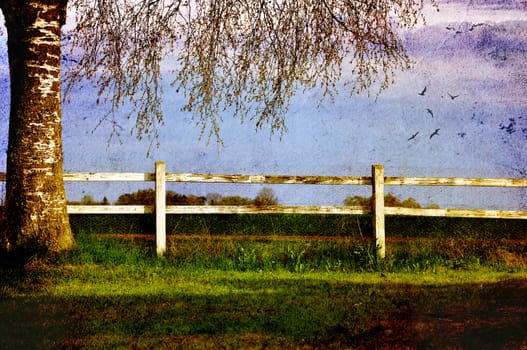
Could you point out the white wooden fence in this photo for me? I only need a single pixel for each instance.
(377, 181)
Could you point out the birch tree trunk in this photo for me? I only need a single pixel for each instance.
(36, 200)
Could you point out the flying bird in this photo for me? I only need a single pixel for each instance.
(457, 31)
(436, 132)
(475, 25)
(452, 96)
(422, 93)
(430, 112)
(413, 136)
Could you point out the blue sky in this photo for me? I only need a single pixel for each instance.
(475, 50)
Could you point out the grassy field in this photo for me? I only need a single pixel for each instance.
(277, 294)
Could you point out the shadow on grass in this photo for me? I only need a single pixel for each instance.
(30, 319)
(276, 313)
(34, 322)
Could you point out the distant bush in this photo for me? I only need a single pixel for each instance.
(266, 196)
(217, 199)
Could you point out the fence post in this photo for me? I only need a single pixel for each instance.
(378, 209)
(160, 206)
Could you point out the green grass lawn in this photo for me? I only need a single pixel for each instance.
(229, 294)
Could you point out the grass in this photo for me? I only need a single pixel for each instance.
(303, 225)
(214, 293)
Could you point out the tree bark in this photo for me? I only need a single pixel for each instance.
(36, 209)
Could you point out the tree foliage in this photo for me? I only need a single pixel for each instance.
(245, 57)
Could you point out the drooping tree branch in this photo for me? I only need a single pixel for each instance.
(244, 58)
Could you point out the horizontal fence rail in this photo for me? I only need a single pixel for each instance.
(216, 209)
(377, 182)
(293, 180)
(454, 181)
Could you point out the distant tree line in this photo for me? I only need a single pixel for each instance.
(147, 197)
(390, 200)
(266, 196)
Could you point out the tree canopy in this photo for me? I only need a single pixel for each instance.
(245, 58)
